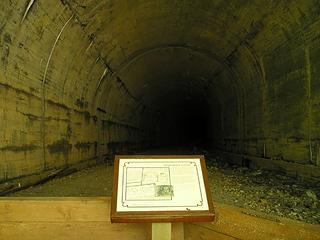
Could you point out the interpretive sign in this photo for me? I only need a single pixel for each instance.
(161, 188)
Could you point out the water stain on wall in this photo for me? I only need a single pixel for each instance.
(60, 146)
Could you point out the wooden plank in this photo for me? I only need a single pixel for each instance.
(54, 209)
(237, 223)
(193, 231)
(89, 218)
(71, 231)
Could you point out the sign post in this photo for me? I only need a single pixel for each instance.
(161, 189)
(161, 231)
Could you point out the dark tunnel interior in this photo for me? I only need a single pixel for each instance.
(85, 80)
(183, 121)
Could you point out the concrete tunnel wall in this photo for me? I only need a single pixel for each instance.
(80, 79)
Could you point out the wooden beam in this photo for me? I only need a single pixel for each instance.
(89, 218)
(238, 223)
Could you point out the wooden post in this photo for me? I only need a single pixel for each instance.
(161, 231)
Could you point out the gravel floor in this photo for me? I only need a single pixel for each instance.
(263, 191)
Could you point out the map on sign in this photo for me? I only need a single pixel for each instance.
(148, 184)
(161, 185)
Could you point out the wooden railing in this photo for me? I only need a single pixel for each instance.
(88, 218)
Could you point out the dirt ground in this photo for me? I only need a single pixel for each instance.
(262, 191)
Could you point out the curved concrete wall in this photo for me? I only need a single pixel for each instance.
(79, 79)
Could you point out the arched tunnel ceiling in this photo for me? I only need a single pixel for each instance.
(124, 31)
(156, 73)
(114, 34)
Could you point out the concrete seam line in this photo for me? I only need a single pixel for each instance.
(102, 77)
(308, 79)
(27, 10)
(43, 91)
(53, 47)
(87, 49)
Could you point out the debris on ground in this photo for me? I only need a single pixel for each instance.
(264, 191)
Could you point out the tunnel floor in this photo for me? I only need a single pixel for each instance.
(266, 192)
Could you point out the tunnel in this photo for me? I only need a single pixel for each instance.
(83, 80)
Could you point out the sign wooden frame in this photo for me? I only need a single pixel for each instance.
(160, 216)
